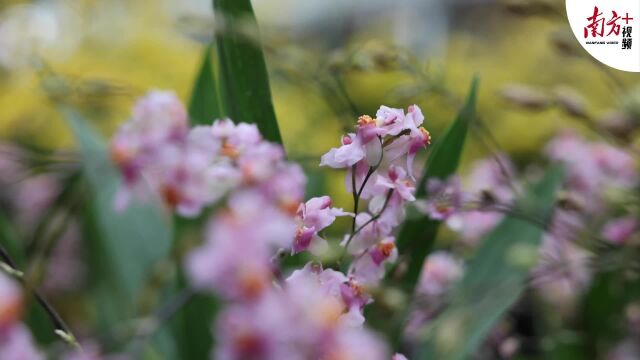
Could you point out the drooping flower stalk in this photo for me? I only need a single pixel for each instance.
(60, 327)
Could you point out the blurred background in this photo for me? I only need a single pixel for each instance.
(329, 61)
(410, 51)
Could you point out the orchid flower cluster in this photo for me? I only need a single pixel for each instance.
(193, 168)
(379, 161)
(596, 172)
(598, 176)
(314, 312)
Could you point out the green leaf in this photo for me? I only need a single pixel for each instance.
(244, 82)
(495, 277)
(130, 242)
(418, 235)
(192, 326)
(204, 106)
(604, 305)
(11, 242)
(161, 346)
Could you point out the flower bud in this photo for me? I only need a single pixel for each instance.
(566, 201)
(565, 43)
(525, 96)
(617, 123)
(373, 152)
(571, 102)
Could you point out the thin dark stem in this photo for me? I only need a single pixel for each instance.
(620, 86)
(377, 216)
(372, 169)
(593, 126)
(374, 218)
(426, 85)
(55, 318)
(345, 94)
(390, 141)
(506, 210)
(356, 199)
(503, 169)
(513, 212)
(595, 241)
(331, 98)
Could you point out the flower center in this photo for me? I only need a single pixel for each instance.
(229, 150)
(366, 120)
(386, 249)
(171, 195)
(426, 135)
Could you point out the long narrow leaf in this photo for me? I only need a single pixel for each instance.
(418, 235)
(494, 278)
(204, 106)
(244, 82)
(192, 324)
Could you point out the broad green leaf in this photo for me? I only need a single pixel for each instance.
(244, 82)
(418, 235)
(130, 242)
(204, 106)
(494, 278)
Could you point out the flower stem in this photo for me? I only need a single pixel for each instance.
(374, 218)
(356, 199)
(60, 327)
(377, 216)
